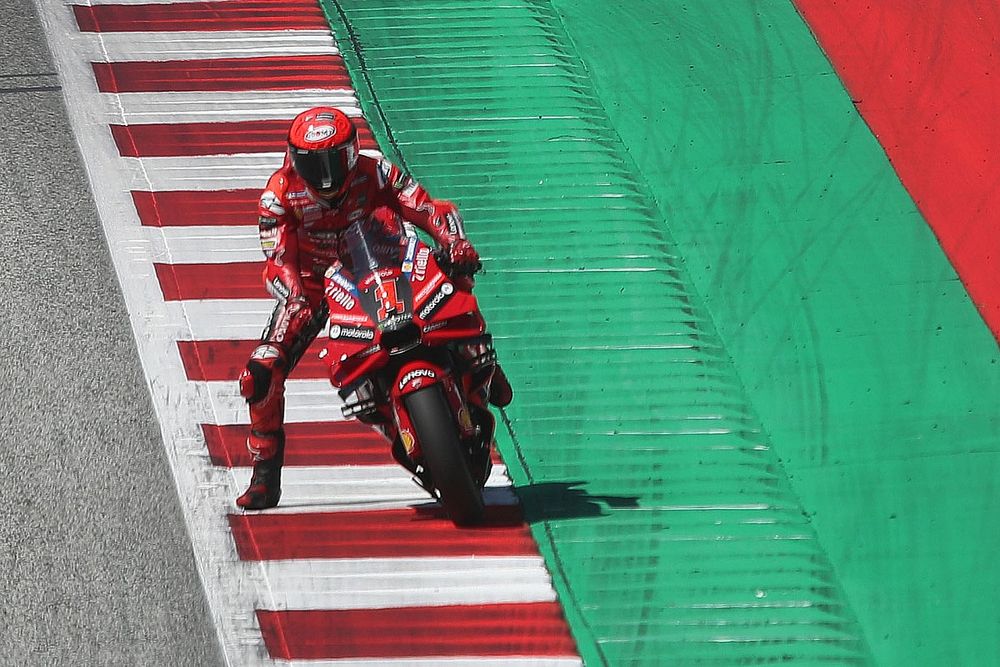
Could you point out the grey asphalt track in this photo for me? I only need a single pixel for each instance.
(96, 566)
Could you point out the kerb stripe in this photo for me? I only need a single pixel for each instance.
(234, 280)
(331, 443)
(194, 208)
(400, 533)
(202, 16)
(214, 360)
(223, 74)
(535, 628)
(186, 139)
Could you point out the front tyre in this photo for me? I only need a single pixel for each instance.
(443, 455)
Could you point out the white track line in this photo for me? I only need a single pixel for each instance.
(305, 401)
(220, 107)
(406, 582)
(355, 488)
(205, 245)
(223, 319)
(203, 45)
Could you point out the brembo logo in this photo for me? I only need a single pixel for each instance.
(414, 374)
(436, 300)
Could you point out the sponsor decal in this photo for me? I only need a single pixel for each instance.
(317, 133)
(326, 237)
(430, 287)
(464, 420)
(356, 214)
(408, 440)
(270, 203)
(407, 267)
(368, 351)
(410, 188)
(361, 334)
(278, 288)
(332, 270)
(434, 327)
(454, 224)
(267, 222)
(421, 264)
(436, 301)
(344, 282)
(393, 321)
(347, 318)
(416, 374)
(381, 273)
(340, 297)
(268, 240)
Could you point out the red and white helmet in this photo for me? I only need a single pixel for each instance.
(323, 147)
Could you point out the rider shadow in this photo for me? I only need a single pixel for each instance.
(545, 501)
(548, 501)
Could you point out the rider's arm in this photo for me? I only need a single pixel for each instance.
(437, 217)
(279, 241)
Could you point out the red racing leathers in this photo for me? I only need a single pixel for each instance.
(299, 234)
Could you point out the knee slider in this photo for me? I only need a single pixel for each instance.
(256, 379)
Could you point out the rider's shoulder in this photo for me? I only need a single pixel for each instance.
(379, 169)
(286, 186)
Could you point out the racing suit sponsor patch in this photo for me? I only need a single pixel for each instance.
(278, 289)
(268, 241)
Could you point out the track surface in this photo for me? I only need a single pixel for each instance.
(96, 565)
(876, 389)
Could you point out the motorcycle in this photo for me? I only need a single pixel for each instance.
(409, 353)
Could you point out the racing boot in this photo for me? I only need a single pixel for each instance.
(501, 393)
(265, 484)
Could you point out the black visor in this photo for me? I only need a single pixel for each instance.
(323, 170)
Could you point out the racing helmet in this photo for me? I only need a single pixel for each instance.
(323, 147)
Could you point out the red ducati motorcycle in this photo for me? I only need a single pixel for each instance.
(409, 354)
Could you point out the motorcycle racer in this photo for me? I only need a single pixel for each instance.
(324, 185)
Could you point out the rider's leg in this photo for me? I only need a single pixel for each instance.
(262, 384)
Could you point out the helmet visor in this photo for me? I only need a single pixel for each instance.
(324, 170)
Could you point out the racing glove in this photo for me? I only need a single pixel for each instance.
(463, 258)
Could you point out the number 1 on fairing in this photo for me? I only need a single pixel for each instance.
(388, 299)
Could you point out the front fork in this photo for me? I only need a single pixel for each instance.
(466, 390)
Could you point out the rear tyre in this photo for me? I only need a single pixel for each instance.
(443, 455)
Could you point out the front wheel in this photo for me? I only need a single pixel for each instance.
(443, 455)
